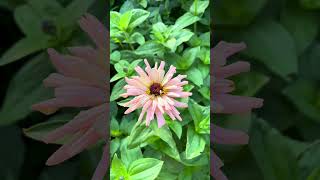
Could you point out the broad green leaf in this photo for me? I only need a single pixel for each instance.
(23, 48)
(114, 128)
(145, 168)
(204, 55)
(39, 131)
(114, 19)
(161, 146)
(125, 20)
(309, 63)
(115, 57)
(139, 134)
(127, 123)
(188, 57)
(27, 20)
(201, 117)
(198, 7)
(305, 96)
(250, 83)
(184, 21)
(309, 161)
(176, 127)
(73, 12)
(182, 36)
(315, 175)
(149, 47)
(138, 17)
(273, 153)
(143, 3)
(195, 76)
(137, 38)
(118, 169)
(26, 89)
(46, 8)
(310, 4)
(164, 133)
(195, 144)
(114, 146)
(301, 24)
(128, 156)
(230, 12)
(12, 153)
(117, 90)
(269, 43)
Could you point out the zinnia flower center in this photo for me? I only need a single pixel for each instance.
(156, 89)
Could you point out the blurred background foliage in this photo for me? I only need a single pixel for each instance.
(283, 48)
(178, 33)
(29, 27)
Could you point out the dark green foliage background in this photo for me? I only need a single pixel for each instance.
(283, 48)
(20, 156)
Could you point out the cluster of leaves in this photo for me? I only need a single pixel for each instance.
(176, 31)
(283, 46)
(44, 24)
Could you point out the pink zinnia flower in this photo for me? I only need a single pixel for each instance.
(81, 81)
(223, 102)
(155, 92)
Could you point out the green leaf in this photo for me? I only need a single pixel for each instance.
(188, 57)
(195, 144)
(23, 48)
(198, 7)
(26, 89)
(309, 161)
(195, 76)
(27, 20)
(176, 127)
(145, 168)
(117, 77)
(73, 12)
(315, 175)
(163, 133)
(184, 21)
(114, 19)
(273, 153)
(230, 12)
(39, 131)
(182, 36)
(269, 43)
(114, 127)
(12, 153)
(115, 144)
(204, 55)
(302, 25)
(139, 134)
(125, 20)
(149, 48)
(138, 17)
(305, 96)
(118, 169)
(137, 38)
(250, 83)
(115, 57)
(117, 90)
(128, 156)
(310, 4)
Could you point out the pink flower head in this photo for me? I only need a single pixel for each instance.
(81, 81)
(155, 92)
(223, 102)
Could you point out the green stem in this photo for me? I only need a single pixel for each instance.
(131, 46)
